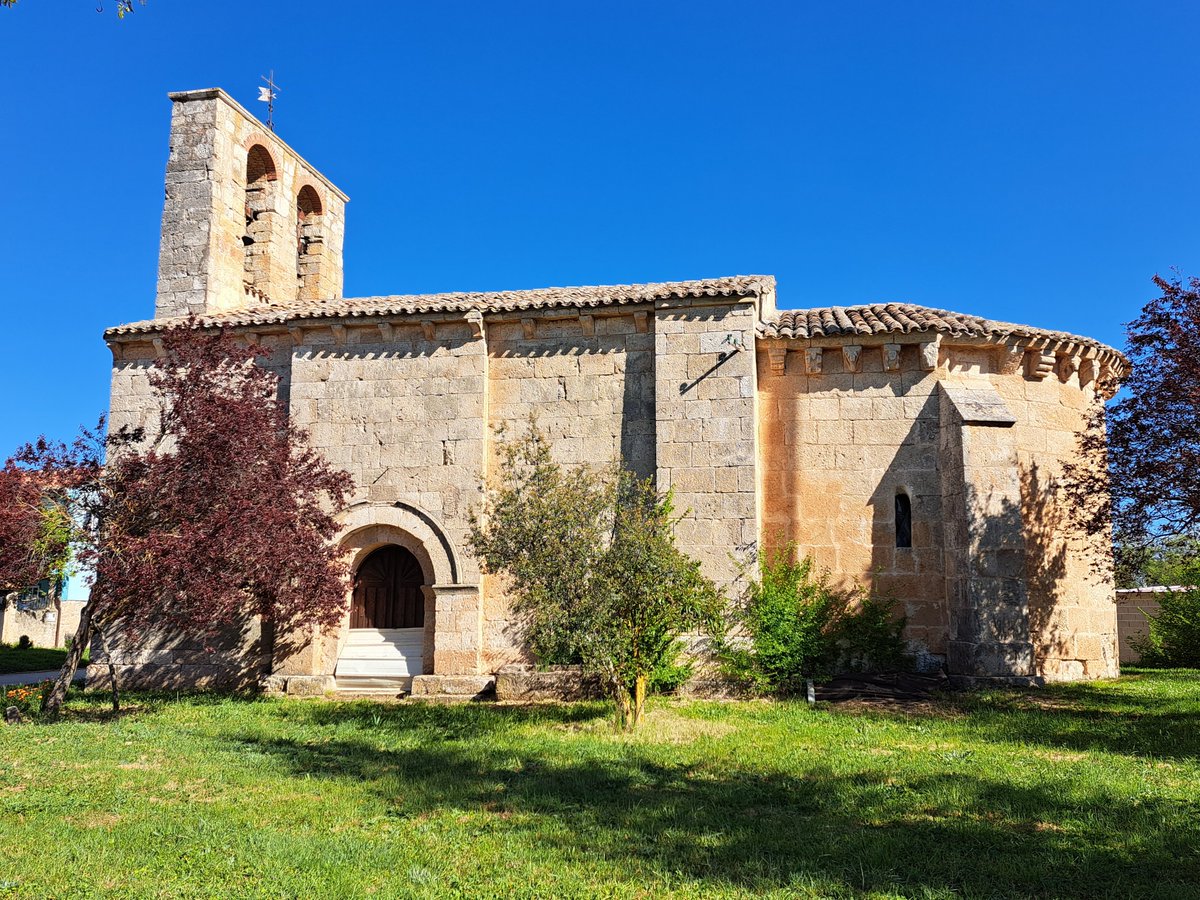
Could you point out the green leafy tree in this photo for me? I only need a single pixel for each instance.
(648, 593)
(590, 562)
(1169, 561)
(543, 530)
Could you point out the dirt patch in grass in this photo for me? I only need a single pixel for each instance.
(661, 726)
(97, 819)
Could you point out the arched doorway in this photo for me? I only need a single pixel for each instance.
(387, 619)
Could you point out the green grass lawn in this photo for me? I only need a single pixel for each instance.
(1086, 790)
(35, 659)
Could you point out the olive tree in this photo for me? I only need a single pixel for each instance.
(591, 565)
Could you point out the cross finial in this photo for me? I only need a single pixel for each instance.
(267, 95)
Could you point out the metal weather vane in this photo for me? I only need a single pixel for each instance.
(267, 95)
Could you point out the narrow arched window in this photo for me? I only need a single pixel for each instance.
(903, 520)
(309, 243)
(260, 172)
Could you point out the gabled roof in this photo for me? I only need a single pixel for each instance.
(820, 322)
(268, 313)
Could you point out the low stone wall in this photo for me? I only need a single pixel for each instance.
(528, 683)
(237, 659)
(1133, 605)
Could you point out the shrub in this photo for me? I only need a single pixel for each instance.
(869, 638)
(24, 643)
(793, 626)
(1174, 636)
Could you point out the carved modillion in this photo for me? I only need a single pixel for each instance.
(777, 357)
(852, 357)
(929, 353)
(891, 357)
(812, 360)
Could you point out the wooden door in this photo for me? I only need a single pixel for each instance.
(387, 591)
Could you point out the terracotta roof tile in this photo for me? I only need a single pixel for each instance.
(901, 318)
(501, 301)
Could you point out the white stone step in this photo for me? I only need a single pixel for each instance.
(391, 667)
(392, 653)
(374, 684)
(375, 637)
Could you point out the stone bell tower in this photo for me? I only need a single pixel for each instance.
(246, 221)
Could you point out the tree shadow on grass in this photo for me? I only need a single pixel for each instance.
(727, 826)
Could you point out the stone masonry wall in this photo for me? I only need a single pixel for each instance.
(590, 383)
(404, 415)
(1069, 575)
(706, 429)
(1133, 606)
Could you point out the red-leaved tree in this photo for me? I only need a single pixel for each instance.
(1141, 472)
(220, 512)
(20, 525)
(37, 525)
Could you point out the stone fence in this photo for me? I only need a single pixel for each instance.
(1133, 605)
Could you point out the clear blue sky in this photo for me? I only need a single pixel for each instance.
(1026, 161)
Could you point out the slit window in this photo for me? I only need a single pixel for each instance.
(903, 520)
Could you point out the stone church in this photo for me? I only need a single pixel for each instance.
(908, 449)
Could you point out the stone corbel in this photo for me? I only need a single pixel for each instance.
(159, 348)
(641, 321)
(813, 357)
(1088, 371)
(1039, 364)
(339, 332)
(475, 321)
(852, 357)
(777, 359)
(588, 323)
(386, 332)
(1012, 358)
(428, 330)
(117, 348)
(891, 357)
(1065, 366)
(529, 327)
(929, 353)
(297, 334)
(251, 337)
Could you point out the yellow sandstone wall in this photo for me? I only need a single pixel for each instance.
(1072, 601)
(995, 568)
(835, 447)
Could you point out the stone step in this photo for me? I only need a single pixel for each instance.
(373, 683)
(453, 688)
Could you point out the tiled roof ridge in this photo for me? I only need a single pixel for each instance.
(903, 318)
(486, 301)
